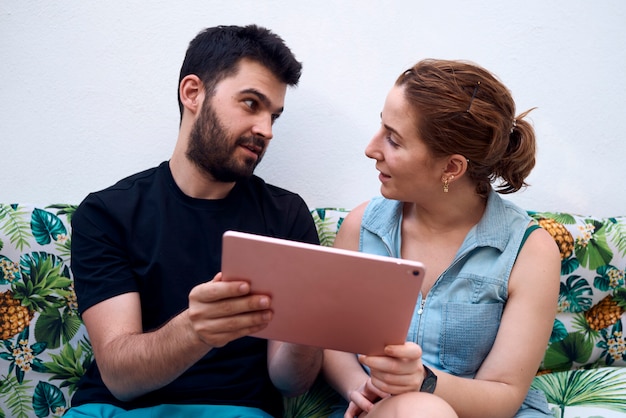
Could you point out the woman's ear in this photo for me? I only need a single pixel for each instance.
(456, 166)
(191, 92)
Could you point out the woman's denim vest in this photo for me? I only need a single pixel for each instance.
(456, 324)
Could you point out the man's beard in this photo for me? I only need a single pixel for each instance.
(211, 148)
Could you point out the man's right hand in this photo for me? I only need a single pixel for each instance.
(221, 312)
(133, 361)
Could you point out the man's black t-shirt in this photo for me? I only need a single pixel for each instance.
(144, 235)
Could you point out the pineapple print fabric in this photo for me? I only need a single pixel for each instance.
(44, 348)
(588, 328)
(582, 373)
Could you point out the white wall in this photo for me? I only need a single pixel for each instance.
(88, 89)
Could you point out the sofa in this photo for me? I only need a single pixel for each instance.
(45, 349)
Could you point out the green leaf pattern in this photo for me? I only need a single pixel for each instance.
(41, 364)
(327, 222)
(35, 269)
(14, 226)
(575, 294)
(46, 227)
(601, 389)
(48, 399)
(583, 371)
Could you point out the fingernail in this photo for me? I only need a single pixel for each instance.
(264, 302)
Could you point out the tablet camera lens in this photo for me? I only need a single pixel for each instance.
(415, 272)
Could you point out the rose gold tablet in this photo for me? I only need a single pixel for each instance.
(326, 297)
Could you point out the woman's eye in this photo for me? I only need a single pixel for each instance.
(391, 141)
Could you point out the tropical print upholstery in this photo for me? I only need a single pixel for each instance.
(44, 348)
(583, 372)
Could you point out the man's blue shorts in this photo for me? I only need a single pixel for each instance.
(99, 410)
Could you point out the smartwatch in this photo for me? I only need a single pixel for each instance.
(430, 381)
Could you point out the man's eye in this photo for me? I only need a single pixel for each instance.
(252, 104)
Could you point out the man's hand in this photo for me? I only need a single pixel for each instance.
(221, 312)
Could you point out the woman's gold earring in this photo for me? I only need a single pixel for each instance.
(446, 183)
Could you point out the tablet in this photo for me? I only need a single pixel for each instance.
(326, 297)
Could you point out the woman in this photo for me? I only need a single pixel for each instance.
(488, 302)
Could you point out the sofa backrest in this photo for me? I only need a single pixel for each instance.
(592, 299)
(45, 349)
(44, 346)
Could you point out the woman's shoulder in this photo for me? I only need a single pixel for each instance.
(349, 232)
(541, 243)
(356, 215)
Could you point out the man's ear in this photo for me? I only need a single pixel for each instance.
(191, 92)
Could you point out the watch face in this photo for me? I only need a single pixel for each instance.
(429, 385)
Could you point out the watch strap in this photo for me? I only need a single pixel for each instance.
(430, 381)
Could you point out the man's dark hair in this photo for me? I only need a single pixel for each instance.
(214, 54)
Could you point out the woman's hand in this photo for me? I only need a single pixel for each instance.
(363, 399)
(399, 370)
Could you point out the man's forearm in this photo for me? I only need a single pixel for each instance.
(132, 365)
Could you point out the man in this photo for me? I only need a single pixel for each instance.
(167, 339)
